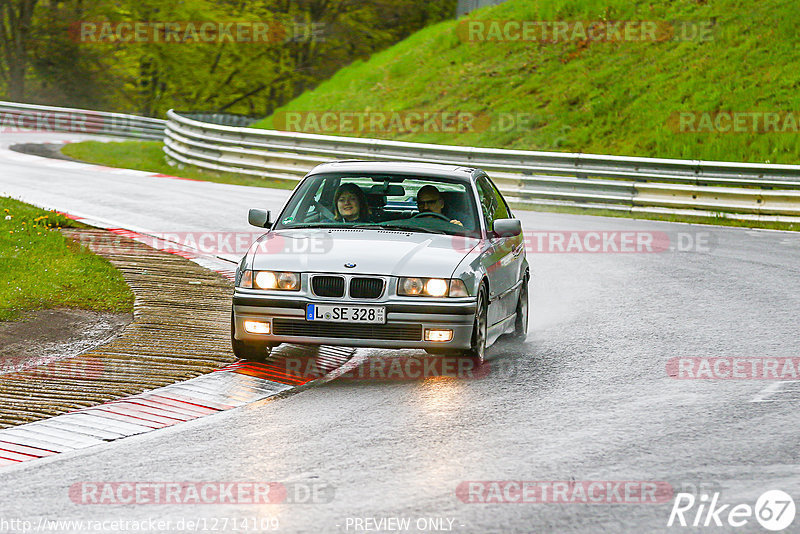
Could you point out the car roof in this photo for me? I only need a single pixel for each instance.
(397, 167)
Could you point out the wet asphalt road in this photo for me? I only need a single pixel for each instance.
(586, 398)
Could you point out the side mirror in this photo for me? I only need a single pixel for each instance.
(507, 227)
(260, 218)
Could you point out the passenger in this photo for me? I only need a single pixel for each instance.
(429, 200)
(350, 204)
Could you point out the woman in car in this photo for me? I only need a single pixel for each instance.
(350, 204)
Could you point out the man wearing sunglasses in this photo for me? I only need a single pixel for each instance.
(429, 200)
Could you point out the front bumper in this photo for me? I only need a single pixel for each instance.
(406, 321)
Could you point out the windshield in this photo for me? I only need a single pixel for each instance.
(391, 202)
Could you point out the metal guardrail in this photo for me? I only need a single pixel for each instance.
(225, 119)
(28, 117)
(747, 191)
(704, 188)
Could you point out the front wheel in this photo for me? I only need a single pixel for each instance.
(251, 351)
(477, 350)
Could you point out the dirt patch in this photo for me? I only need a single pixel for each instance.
(44, 336)
(45, 150)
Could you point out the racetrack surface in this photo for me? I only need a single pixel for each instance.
(588, 397)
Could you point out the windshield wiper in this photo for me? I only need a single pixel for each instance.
(315, 225)
(412, 229)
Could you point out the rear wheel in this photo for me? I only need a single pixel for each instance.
(477, 350)
(248, 351)
(521, 322)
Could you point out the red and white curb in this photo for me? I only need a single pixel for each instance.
(232, 386)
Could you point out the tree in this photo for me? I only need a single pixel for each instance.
(46, 57)
(16, 17)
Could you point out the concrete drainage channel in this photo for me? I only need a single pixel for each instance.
(172, 364)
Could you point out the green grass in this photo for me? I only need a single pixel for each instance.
(592, 97)
(149, 156)
(40, 268)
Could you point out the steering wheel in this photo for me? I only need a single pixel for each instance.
(431, 214)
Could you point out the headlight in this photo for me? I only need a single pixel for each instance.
(266, 280)
(436, 287)
(410, 286)
(431, 287)
(289, 281)
(271, 280)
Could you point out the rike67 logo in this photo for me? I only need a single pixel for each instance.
(774, 510)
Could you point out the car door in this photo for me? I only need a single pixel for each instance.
(498, 258)
(514, 260)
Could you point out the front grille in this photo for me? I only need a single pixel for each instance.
(328, 286)
(366, 288)
(391, 332)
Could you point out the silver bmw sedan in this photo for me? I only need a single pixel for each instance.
(384, 254)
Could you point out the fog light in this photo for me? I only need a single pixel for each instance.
(256, 327)
(438, 335)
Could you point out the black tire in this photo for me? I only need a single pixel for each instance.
(248, 351)
(521, 322)
(477, 350)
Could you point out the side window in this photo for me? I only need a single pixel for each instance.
(502, 208)
(488, 201)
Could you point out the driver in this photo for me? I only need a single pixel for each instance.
(429, 200)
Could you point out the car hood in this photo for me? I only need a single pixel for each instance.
(378, 252)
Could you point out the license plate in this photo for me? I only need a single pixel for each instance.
(346, 314)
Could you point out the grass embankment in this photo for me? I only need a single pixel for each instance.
(620, 97)
(40, 268)
(149, 156)
(590, 96)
